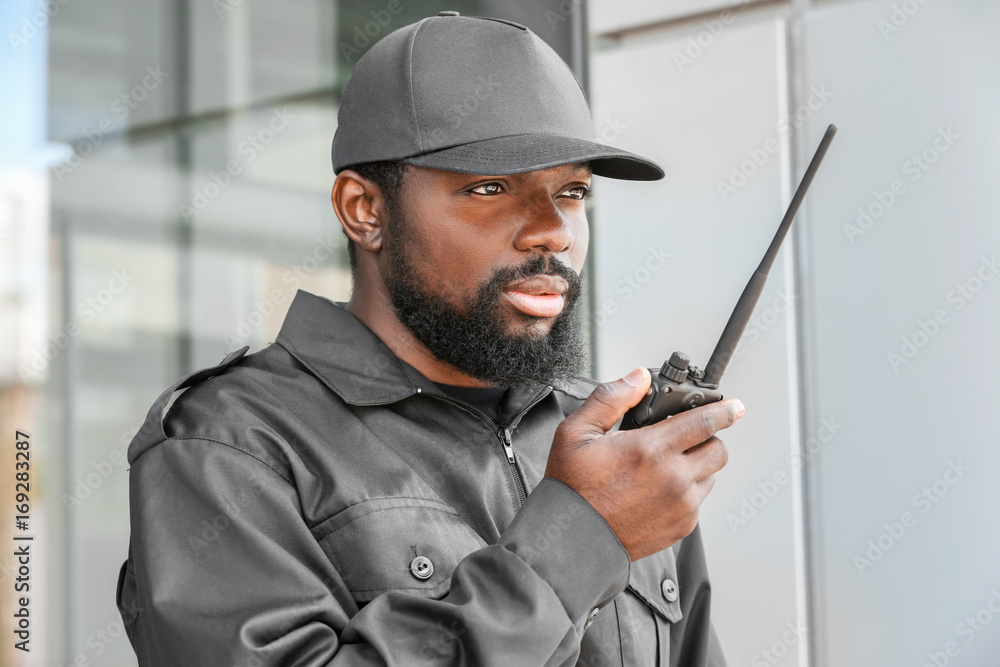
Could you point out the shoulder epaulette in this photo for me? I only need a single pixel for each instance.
(151, 431)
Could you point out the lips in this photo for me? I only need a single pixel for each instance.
(539, 296)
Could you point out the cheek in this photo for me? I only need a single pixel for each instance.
(450, 261)
(451, 242)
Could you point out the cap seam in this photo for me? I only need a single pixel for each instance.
(409, 83)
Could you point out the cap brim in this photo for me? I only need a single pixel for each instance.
(530, 152)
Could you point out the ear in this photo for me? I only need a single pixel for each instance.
(361, 209)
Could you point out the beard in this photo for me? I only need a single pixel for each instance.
(476, 339)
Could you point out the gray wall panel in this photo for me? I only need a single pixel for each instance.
(899, 92)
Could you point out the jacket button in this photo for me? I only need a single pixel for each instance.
(669, 589)
(591, 617)
(422, 568)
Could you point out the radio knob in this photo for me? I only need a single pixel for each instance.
(675, 369)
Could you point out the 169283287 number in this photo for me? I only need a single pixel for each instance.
(22, 479)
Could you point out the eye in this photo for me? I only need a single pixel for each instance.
(579, 192)
(488, 189)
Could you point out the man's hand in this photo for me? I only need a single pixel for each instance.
(647, 483)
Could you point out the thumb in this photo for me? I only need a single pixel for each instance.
(609, 401)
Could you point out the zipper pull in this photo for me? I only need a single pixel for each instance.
(505, 439)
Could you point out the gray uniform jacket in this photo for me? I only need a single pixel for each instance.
(321, 502)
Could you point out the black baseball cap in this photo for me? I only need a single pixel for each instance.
(474, 95)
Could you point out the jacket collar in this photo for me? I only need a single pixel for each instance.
(353, 361)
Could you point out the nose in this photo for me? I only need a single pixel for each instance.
(545, 228)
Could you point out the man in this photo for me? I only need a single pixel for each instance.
(419, 476)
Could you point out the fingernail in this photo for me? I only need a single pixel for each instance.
(740, 410)
(635, 377)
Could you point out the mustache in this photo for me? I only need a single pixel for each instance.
(538, 265)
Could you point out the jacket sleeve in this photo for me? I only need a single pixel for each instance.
(223, 570)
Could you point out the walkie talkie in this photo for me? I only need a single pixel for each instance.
(677, 385)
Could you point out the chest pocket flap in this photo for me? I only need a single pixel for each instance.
(653, 580)
(409, 544)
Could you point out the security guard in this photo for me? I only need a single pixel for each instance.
(420, 475)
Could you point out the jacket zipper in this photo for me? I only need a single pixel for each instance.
(518, 482)
(504, 435)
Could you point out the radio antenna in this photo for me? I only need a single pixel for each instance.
(731, 335)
